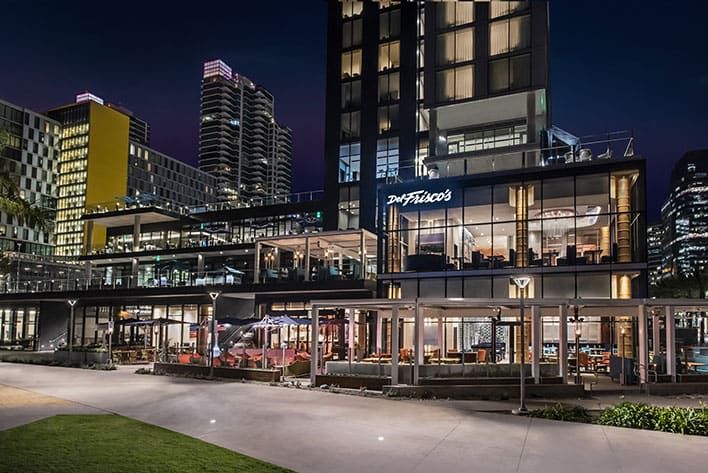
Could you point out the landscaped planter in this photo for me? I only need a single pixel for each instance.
(251, 374)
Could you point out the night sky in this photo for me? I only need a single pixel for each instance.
(615, 66)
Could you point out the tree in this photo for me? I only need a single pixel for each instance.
(29, 213)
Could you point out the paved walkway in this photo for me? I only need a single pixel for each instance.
(19, 407)
(312, 431)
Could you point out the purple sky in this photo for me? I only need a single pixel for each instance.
(615, 66)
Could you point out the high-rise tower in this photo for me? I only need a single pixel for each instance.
(240, 143)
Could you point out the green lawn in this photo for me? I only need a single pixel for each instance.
(111, 443)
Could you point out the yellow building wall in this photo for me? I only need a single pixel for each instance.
(107, 171)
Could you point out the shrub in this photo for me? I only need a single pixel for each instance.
(563, 412)
(683, 420)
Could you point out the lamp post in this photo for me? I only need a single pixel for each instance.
(72, 303)
(213, 342)
(521, 283)
(578, 332)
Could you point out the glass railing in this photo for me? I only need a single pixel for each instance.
(589, 149)
(131, 203)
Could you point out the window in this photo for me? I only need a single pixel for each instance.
(455, 13)
(388, 118)
(351, 94)
(352, 8)
(389, 55)
(351, 33)
(389, 87)
(455, 46)
(390, 24)
(350, 125)
(349, 162)
(509, 35)
(510, 73)
(351, 64)
(386, 158)
(455, 84)
(505, 8)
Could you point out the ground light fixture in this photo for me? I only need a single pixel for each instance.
(521, 282)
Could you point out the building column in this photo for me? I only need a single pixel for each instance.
(643, 344)
(362, 256)
(418, 339)
(605, 242)
(624, 244)
(307, 259)
(622, 289)
(134, 271)
(536, 343)
(257, 264)
(136, 233)
(394, 345)
(670, 342)
(379, 331)
(563, 342)
(351, 339)
(656, 332)
(89, 237)
(520, 202)
(314, 344)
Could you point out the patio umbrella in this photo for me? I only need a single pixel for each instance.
(266, 323)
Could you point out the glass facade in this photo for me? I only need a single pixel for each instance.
(550, 225)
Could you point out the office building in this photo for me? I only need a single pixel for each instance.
(30, 156)
(429, 88)
(240, 142)
(105, 160)
(655, 252)
(685, 216)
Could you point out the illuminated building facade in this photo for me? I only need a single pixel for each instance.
(685, 216)
(429, 88)
(104, 158)
(30, 156)
(240, 142)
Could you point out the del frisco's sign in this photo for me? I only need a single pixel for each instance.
(419, 197)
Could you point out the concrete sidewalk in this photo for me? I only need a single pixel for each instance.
(312, 431)
(19, 407)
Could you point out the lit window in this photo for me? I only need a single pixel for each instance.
(455, 84)
(503, 8)
(389, 55)
(352, 8)
(386, 158)
(509, 35)
(455, 13)
(455, 46)
(349, 162)
(351, 64)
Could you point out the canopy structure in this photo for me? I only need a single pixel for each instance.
(148, 322)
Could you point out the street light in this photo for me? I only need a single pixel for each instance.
(521, 282)
(213, 343)
(577, 320)
(72, 303)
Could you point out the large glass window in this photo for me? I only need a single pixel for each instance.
(350, 125)
(455, 46)
(352, 8)
(510, 73)
(386, 158)
(389, 24)
(389, 55)
(509, 35)
(503, 8)
(455, 84)
(454, 13)
(349, 162)
(389, 87)
(351, 33)
(351, 64)
(388, 118)
(351, 94)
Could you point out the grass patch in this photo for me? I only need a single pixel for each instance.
(111, 443)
